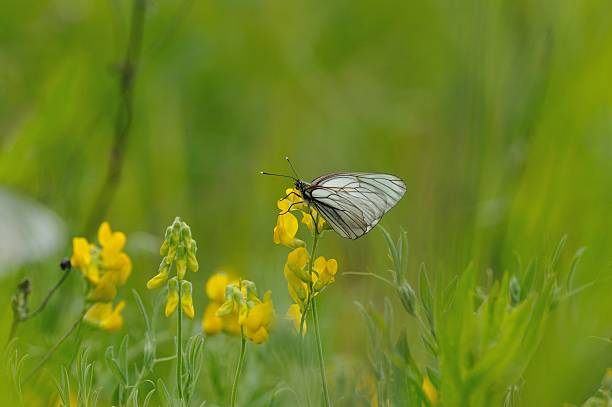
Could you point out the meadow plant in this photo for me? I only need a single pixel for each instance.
(479, 340)
(179, 250)
(255, 318)
(307, 276)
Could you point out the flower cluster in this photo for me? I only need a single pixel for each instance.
(179, 250)
(287, 224)
(255, 315)
(105, 268)
(215, 290)
(305, 278)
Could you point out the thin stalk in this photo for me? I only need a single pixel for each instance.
(315, 319)
(302, 345)
(52, 291)
(179, 347)
(55, 347)
(123, 118)
(17, 320)
(312, 305)
(238, 368)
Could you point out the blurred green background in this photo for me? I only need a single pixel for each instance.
(497, 114)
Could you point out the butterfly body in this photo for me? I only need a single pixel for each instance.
(352, 202)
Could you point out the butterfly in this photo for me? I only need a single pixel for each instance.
(352, 203)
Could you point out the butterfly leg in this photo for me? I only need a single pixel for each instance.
(289, 194)
(315, 222)
(290, 206)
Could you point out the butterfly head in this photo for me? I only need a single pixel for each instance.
(301, 186)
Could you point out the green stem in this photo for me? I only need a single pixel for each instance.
(315, 318)
(179, 347)
(238, 368)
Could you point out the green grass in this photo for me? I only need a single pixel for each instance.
(496, 114)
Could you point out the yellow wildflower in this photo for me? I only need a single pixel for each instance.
(103, 315)
(211, 323)
(111, 242)
(105, 267)
(429, 390)
(81, 253)
(215, 290)
(187, 299)
(215, 287)
(159, 279)
(105, 289)
(307, 219)
(285, 230)
(325, 272)
(259, 319)
(297, 261)
(173, 297)
(297, 288)
(294, 314)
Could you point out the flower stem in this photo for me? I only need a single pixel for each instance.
(55, 347)
(179, 347)
(238, 368)
(17, 319)
(312, 304)
(315, 318)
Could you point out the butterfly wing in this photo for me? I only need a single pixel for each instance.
(353, 203)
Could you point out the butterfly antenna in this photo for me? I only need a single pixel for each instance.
(278, 175)
(292, 168)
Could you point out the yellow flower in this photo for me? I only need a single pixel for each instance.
(111, 242)
(211, 323)
(259, 319)
(158, 280)
(326, 270)
(105, 289)
(296, 262)
(292, 201)
(294, 314)
(186, 299)
(81, 253)
(307, 217)
(230, 324)
(429, 390)
(106, 267)
(215, 287)
(298, 290)
(173, 297)
(118, 263)
(285, 230)
(102, 315)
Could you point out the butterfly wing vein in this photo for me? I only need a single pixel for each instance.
(353, 203)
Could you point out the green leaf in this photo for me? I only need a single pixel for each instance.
(164, 396)
(111, 363)
(529, 278)
(557, 253)
(425, 294)
(573, 267)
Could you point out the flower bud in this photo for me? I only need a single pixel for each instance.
(192, 262)
(407, 296)
(161, 276)
(181, 267)
(172, 300)
(163, 250)
(186, 234)
(226, 308)
(187, 299)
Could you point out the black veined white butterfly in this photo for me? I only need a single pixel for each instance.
(351, 202)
